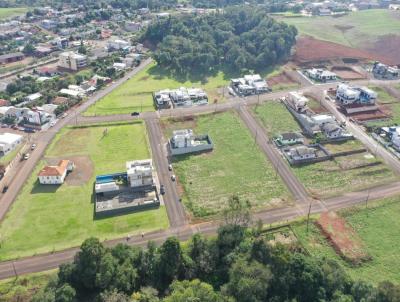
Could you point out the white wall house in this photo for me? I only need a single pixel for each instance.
(55, 175)
(72, 61)
(8, 142)
(140, 173)
(302, 152)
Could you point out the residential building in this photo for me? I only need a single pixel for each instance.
(351, 95)
(334, 131)
(384, 71)
(29, 99)
(132, 26)
(36, 117)
(297, 101)
(118, 44)
(49, 24)
(289, 138)
(11, 57)
(72, 61)
(322, 119)
(4, 102)
(250, 84)
(140, 173)
(76, 94)
(119, 66)
(55, 175)
(321, 75)
(184, 141)
(302, 152)
(8, 142)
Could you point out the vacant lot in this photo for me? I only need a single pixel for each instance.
(46, 218)
(377, 227)
(136, 93)
(235, 166)
(354, 29)
(8, 12)
(390, 105)
(276, 118)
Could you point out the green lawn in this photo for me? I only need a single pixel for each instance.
(8, 12)
(276, 118)
(378, 227)
(235, 166)
(4, 160)
(136, 93)
(354, 29)
(46, 218)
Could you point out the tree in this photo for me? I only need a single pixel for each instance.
(184, 291)
(237, 212)
(82, 49)
(170, 262)
(29, 49)
(146, 294)
(65, 293)
(114, 296)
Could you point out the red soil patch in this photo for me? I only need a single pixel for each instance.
(388, 47)
(347, 73)
(281, 78)
(343, 238)
(309, 49)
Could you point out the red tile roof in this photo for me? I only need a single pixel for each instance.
(58, 170)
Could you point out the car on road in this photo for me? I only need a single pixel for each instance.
(26, 156)
(135, 113)
(173, 177)
(29, 130)
(5, 188)
(33, 147)
(170, 167)
(162, 190)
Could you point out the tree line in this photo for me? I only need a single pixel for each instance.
(238, 265)
(238, 38)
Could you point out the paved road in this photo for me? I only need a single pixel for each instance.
(53, 260)
(18, 174)
(294, 185)
(175, 210)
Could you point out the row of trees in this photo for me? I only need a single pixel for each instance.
(239, 264)
(239, 38)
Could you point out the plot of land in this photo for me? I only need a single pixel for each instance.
(276, 118)
(344, 146)
(282, 82)
(378, 227)
(355, 30)
(8, 12)
(136, 93)
(47, 217)
(235, 166)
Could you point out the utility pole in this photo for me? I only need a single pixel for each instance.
(366, 201)
(308, 216)
(255, 137)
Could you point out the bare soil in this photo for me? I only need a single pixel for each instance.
(309, 49)
(347, 73)
(83, 169)
(281, 78)
(343, 237)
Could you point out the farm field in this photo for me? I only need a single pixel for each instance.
(354, 29)
(276, 118)
(136, 93)
(47, 218)
(8, 12)
(377, 227)
(235, 166)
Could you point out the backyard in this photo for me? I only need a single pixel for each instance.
(46, 217)
(136, 93)
(354, 29)
(377, 227)
(235, 166)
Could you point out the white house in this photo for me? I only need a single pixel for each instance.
(321, 74)
(8, 142)
(349, 95)
(140, 173)
(72, 61)
(118, 44)
(297, 101)
(333, 130)
(55, 175)
(302, 152)
(132, 26)
(321, 119)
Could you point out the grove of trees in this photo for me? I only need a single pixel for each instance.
(237, 38)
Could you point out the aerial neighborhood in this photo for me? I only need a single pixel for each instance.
(199, 151)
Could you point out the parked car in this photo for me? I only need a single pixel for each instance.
(170, 167)
(29, 130)
(135, 113)
(26, 156)
(173, 177)
(5, 188)
(162, 190)
(33, 147)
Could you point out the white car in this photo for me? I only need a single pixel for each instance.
(173, 177)
(33, 147)
(26, 156)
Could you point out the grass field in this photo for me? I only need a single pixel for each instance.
(276, 118)
(235, 166)
(378, 228)
(23, 288)
(46, 218)
(391, 105)
(136, 93)
(8, 12)
(354, 29)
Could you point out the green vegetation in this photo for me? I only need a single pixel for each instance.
(392, 106)
(242, 38)
(136, 93)
(23, 287)
(235, 166)
(276, 118)
(378, 228)
(354, 29)
(4, 160)
(9, 12)
(46, 217)
(285, 86)
(344, 146)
